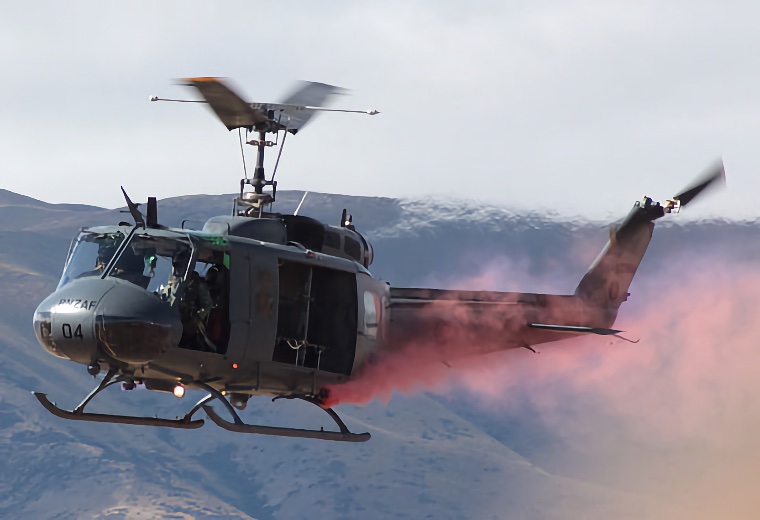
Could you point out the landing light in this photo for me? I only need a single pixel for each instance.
(179, 391)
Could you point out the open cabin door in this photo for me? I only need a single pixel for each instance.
(200, 289)
(316, 318)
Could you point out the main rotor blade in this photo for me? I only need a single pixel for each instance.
(229, 107)
(714, 176)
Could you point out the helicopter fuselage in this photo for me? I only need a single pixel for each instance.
(278, 318)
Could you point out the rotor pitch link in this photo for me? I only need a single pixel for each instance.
(285, 432)
(184, 424)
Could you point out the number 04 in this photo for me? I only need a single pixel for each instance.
(66, 330)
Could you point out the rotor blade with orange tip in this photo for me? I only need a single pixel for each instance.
(232, 110)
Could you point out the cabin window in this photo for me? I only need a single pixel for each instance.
(306, 231)
(352, 248)
(332, 239)
(316, 318)
(371, 314)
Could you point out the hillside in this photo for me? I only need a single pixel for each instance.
(461, 452)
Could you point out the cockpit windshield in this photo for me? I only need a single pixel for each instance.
(187, 271)
(155, 263)
(152, 262)
(90, 254)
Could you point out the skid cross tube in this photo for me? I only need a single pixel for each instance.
(198, 406)
(105, 383)
(215, 394)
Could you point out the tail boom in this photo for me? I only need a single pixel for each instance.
(465, 323)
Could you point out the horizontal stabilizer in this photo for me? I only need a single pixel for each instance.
(575, 328)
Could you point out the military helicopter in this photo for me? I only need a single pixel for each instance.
(258, 303)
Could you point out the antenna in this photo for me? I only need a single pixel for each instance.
(300, 203)
(152, 216)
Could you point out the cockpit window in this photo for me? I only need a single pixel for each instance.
(155, 263)
(90, 254)
(189, 273)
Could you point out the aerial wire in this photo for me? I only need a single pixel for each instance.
(242, 154)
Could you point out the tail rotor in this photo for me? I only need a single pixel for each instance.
(713, 177)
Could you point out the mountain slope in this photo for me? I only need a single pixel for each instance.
(428, 458)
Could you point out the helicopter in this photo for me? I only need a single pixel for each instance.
(259, 303)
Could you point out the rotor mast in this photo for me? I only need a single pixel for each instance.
(259, 180)
(257, 200)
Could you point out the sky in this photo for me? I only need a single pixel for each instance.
(575, 107)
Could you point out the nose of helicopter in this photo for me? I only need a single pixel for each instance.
(135, 326)
(89, 318)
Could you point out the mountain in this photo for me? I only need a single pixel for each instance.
(534, 447)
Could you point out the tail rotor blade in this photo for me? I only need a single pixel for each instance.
(716, 176)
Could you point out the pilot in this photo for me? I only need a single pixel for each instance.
(130, 267)
(105, 253)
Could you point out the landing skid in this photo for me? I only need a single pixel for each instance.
(239, 426)
(80, 415)
(188, 423)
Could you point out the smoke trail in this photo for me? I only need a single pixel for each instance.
(694, 326)
(443, 334)
(697, 356)
(675, 417)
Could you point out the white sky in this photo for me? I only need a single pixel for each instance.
(578, 106)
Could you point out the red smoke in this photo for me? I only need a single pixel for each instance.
(415, 367)
(694, 324)
(464, 339)
(697, 361)
(676, 416)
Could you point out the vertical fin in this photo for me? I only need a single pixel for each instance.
(606, 283)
